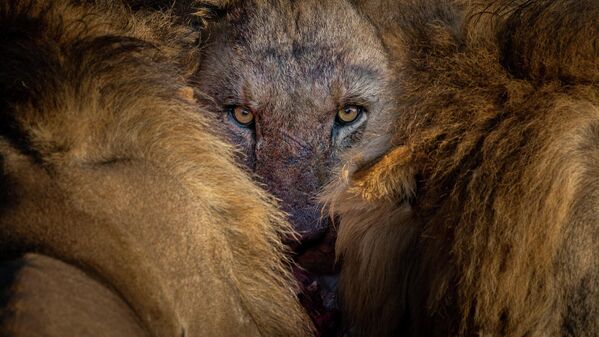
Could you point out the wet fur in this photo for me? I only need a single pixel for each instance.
(108, 164)
(486, 222)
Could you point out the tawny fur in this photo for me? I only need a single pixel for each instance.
(496, 133)
(107, 164)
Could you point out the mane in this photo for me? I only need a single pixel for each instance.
(105, 86)
(492, 102)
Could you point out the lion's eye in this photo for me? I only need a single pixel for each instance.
(242, 115)
(349, 114)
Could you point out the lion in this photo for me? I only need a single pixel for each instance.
(295, 83)
(111, 168)
(473, 209)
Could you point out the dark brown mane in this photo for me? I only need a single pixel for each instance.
(497, 106)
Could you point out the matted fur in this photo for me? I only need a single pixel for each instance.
(108, 165)
(482, 219)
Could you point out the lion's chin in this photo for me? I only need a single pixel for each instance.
(318, 257)
(317, 276)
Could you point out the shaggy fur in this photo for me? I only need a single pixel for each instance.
(482, 217)
(109, 165)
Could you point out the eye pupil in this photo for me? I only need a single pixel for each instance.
(242, 115)
(349, 114)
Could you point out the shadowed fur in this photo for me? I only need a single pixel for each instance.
(46, 290)
(481, 218)
(109, 165)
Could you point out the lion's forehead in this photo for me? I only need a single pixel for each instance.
(300, 28)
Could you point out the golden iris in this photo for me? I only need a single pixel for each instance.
(349, 114)
(242, 115)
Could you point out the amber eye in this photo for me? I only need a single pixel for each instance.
(349, 114)
(242, 115)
